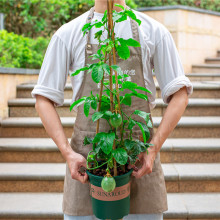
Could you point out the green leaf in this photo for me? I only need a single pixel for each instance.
(98, 24)
(143, 89)
(141, 145)
(120, 6)
(106, 68)
(132, 15)
(131, 124)
(96, 116)
(129, 85)
(126, 100)
(98, 35)
(105, 141)
(149, 124)
(116, 16)
(79, 70)
(142, 130)
(99, 136)
(117, 69)
(123, 18)
(94, 104)
(97, 56)
(131, 42)
(142, 114)
(87, 107)
(142, 96)
(97, 73)
(96, 148)
(123, 52)
(86, 26)
(104, 18)
(120, 156)
(77, 102)
(108, 113)
(146, 130)
(87, 140)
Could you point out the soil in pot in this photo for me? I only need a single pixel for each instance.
(102, 170)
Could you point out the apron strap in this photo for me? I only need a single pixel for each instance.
(134, 28)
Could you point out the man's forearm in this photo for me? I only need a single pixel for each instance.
(52, 125)
(54, 128)
(172, 115)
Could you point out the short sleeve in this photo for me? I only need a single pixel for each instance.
(54, 72)
(168, 68)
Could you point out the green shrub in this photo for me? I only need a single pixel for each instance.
(34, 18)
(21, 52)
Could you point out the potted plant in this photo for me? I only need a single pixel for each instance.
(113, 150)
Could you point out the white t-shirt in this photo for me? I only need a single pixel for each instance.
(66, 53)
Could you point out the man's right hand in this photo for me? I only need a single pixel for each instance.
(75, 162)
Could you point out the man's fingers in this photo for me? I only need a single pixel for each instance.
(141, 172)
(82, 177)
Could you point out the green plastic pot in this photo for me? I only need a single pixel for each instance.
(114, 205)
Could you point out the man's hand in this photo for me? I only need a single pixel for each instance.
(147, 162)
(77, 165)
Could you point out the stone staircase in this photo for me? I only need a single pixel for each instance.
(208, 71)
(32, 169)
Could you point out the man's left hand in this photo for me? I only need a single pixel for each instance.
(147, 162)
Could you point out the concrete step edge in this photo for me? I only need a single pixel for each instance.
(49, 205)
(213, 58)
(171, 144)
(56, 171)
(195, 121)
(203, 74)
(30, 102)
(196, 85)
(206, 65)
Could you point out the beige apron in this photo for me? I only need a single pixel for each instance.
(148, 194)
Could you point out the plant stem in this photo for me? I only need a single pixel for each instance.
(97, 166)
(108, 89)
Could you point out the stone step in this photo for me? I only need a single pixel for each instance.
(210, 60)
(206, 89)
(190, 127)
(48, 206)
(174, 150)
(206, 68)
(25, 107)
(203, 76)
(49, 177)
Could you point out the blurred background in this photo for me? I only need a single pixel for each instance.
(29, 24)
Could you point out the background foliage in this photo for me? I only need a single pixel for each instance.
(19, 51)
(34, 18)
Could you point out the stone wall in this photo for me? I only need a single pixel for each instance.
(9, 79)
(196, 32)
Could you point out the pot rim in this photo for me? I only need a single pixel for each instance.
(116, 177)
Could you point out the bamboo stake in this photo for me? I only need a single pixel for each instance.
(114, 62)
(100, 96)
(109, 6)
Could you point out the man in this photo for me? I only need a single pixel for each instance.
(66, 53)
